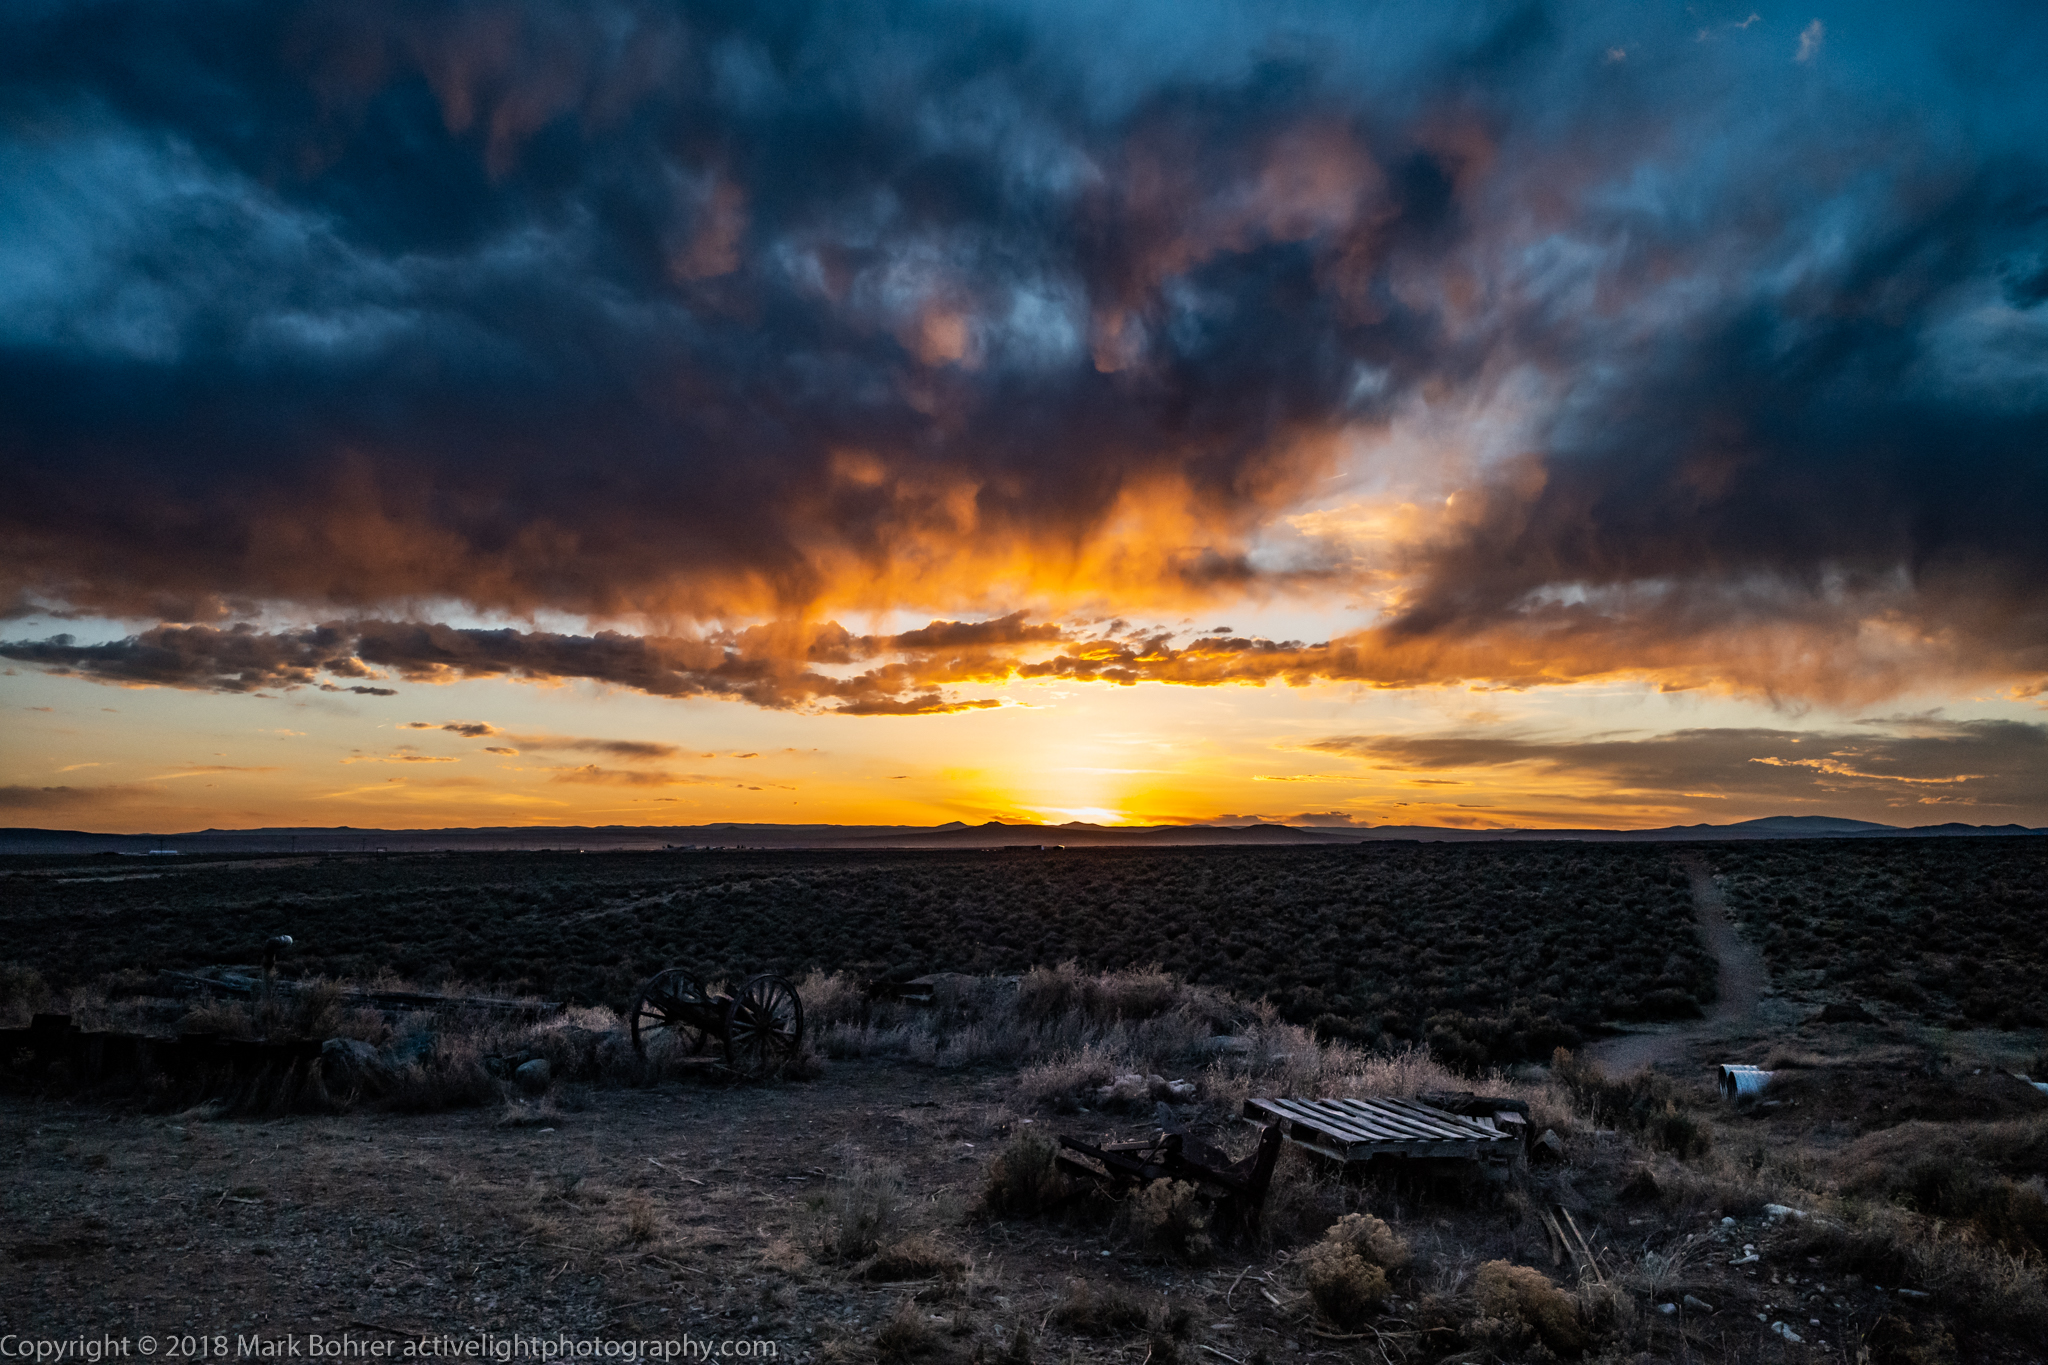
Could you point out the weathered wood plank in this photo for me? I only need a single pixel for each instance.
(1349, 1130)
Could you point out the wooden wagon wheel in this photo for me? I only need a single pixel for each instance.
(764, 1026)
(672, 1005)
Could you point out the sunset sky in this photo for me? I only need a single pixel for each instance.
(509, 412)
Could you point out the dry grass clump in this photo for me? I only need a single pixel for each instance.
(832, 998)
(862, 1211)
(1646, 1104)
(905, 1336)
(1280, 1058)
(1015, 1349)
(1145, 1019)
(447, 1073)
(226, 1018)
(321, 1009)
(1303, 1200)
(1894, 1341)
(1099, 1310)
(1169, 1218)
(1070, 1074)
(519, 1114)
(1023, 1180)
(1518, 1294)
(1982, 1178)
(1048, 993)
(916, 1257)
(1993, 1288)
(642, 1226)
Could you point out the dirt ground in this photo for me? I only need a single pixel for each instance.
(647, 1211)
(696, 1211)
(682, 1208)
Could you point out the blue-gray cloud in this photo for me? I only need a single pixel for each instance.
(619, 306)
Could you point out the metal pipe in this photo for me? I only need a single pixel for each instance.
(1737, 1080)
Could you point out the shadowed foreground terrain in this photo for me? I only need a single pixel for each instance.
(890, 1200)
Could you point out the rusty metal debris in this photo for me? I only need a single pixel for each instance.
(1236, 1188)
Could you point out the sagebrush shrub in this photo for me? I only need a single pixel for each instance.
(1371, 1240)
(1168, 1218)
(1519, 1293)
(1023, 1180)
(1344, 1286)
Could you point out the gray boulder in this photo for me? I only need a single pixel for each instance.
(349, 1066)
(534, 1076)
(414, 1049)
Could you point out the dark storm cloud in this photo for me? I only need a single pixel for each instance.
(619, 307)
(243, 659)
(711, 312)
(1904, 761)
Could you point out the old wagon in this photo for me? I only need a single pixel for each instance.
(759, 1027)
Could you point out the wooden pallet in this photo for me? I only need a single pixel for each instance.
(1359, 1130)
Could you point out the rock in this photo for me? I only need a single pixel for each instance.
(1846, 1014)
(1667, 1308)
(1641, 1186)
(348, 1064)
(412, 1050)
(1698, 1305)
(535, 1075)
(1786, 1332)
(1780, 1212)
(1180, 1092)
(1549, 1147)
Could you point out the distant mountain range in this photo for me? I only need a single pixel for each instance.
(994, 834)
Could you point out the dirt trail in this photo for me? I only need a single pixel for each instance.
(1741, 985)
